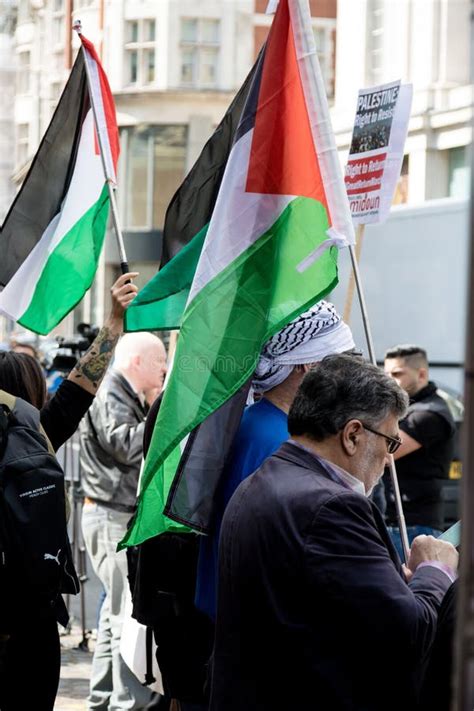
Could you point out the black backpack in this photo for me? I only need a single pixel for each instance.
(35, 554)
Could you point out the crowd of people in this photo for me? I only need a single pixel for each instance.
(298, 598)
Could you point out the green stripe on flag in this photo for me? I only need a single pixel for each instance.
(69, 270)
(149, 520)
(161, 303)
(223, 330)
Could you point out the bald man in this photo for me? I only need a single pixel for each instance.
(111, 452)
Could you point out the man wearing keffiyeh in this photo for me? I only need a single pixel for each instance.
(284, 361)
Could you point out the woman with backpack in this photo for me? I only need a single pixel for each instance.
(30, 652)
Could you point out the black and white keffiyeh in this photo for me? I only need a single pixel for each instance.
(308, 339)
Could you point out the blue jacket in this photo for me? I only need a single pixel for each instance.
(313, 611)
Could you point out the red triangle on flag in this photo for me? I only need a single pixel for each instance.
(283, 158)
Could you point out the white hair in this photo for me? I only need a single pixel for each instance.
(132, 344)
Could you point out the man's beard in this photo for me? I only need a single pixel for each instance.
(367, 472)
(370, 491)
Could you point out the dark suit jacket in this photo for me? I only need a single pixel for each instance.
(313, 611)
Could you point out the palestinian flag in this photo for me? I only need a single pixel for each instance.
(161, 303)
(53, 234)
(270, 252)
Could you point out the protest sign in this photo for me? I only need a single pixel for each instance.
(376, 151)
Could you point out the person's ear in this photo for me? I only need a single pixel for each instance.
(309, 366)
(423, 375)
(351, 436)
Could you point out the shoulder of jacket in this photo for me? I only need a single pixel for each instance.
(346, 498)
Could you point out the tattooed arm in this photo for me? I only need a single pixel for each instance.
(91, 368)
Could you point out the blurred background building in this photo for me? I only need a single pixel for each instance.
(174, 66)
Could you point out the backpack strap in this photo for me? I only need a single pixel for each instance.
(8, 400)
(25, 412)
(7, 403)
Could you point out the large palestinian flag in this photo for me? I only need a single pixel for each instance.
(270, 252)
(53, 234)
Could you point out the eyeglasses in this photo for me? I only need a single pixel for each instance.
(393, 443)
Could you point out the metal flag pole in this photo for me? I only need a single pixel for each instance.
(370, 346)
(109, 179)
(464, 638)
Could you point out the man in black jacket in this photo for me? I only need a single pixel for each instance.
(314, 609)
(424, 457)
(111, 453)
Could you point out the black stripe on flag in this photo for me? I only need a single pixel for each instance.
(247, 119)
(48, 178)
(192, 497)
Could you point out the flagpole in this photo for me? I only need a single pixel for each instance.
(109, 179)
(360, 231)
(370, 346)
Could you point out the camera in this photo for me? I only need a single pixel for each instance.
(70, 349)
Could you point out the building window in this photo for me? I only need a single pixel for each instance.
(458, 172)
(24, 11)
(140, 52)
(55, 90)
(152, 165)
(324, 36)
(22, 143)
(58, 25)
(200, 47)
(23, 72)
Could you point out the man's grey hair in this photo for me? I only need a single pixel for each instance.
(343, 388)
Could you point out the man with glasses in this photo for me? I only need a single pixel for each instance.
(314, 609)
(424, 457)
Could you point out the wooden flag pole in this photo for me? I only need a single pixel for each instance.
(355, 256)
(109, 179)
(360, 232)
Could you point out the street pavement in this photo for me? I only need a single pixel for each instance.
(76, 663)
(75, 673)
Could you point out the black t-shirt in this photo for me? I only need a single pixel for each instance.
(425, 427)
(421, 473)
(61, 415)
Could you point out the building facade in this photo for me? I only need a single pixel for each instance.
(7, 98)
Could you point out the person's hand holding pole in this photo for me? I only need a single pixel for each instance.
(123, 292)
(91, 368)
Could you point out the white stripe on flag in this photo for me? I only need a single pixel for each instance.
(17, 294)
(239, 217)
(84, 191)
(86, 183)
